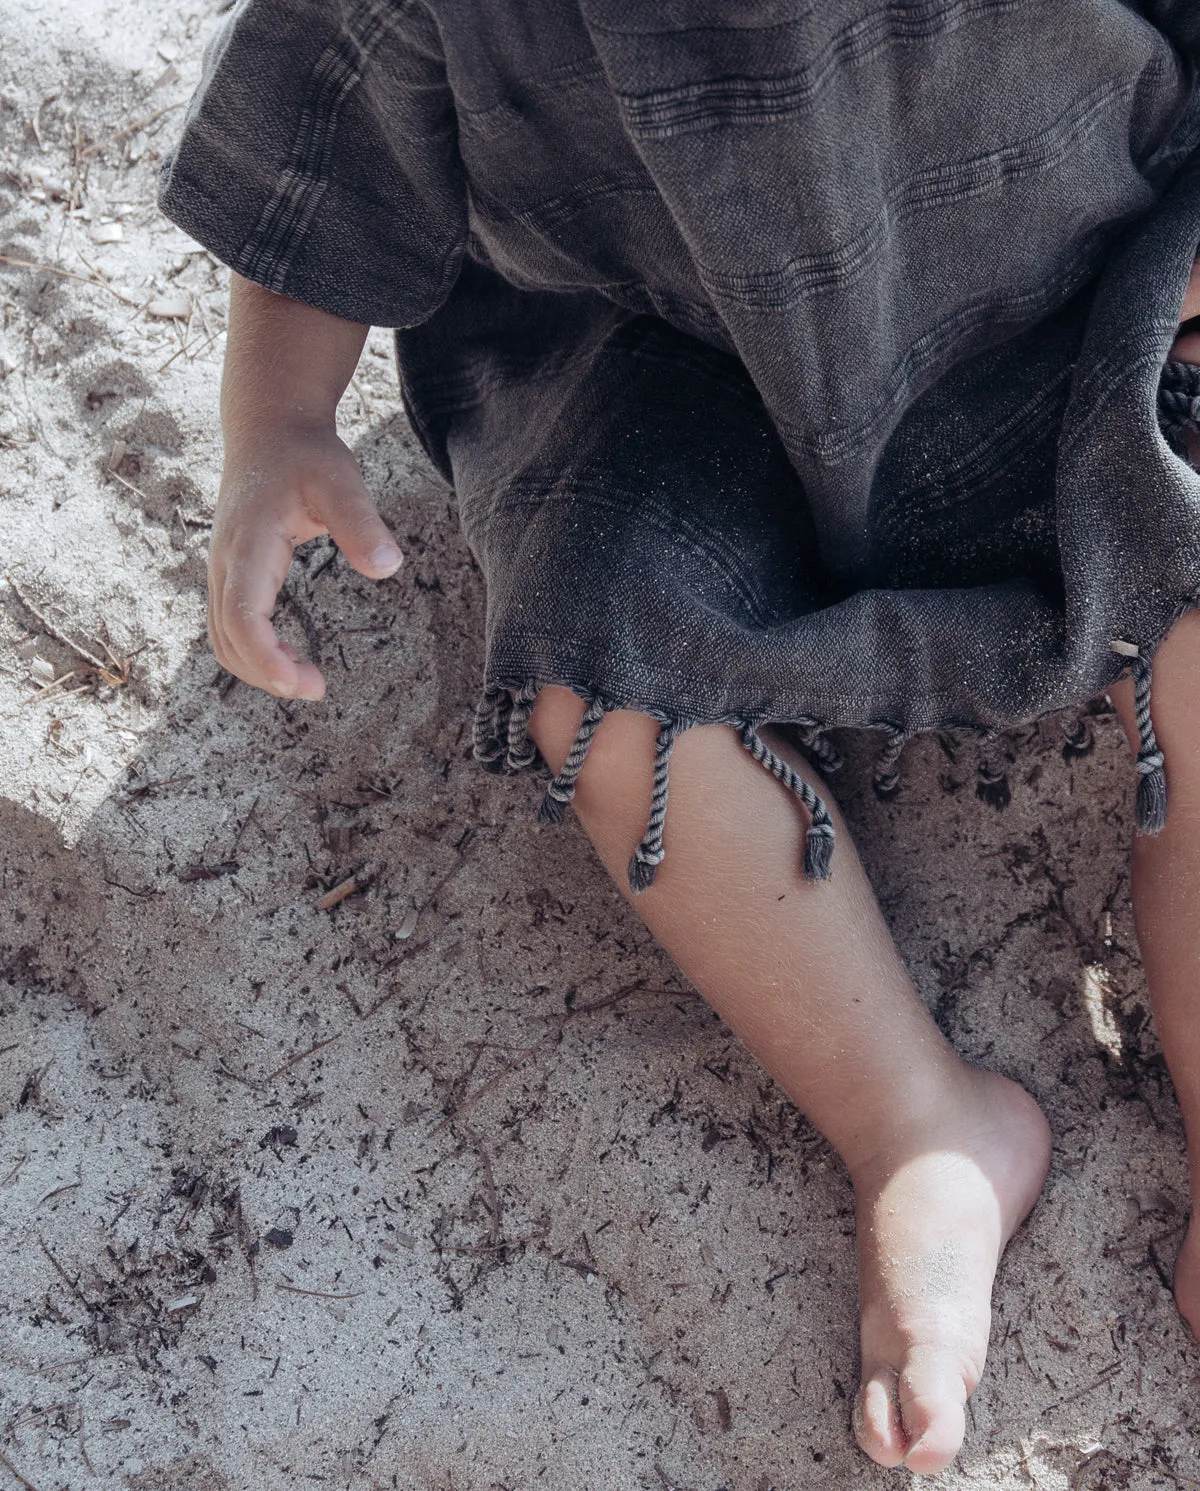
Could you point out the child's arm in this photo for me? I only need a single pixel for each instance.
(287, 478)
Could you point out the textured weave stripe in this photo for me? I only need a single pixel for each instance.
(267, 257)
(929, 190)
(697, 106)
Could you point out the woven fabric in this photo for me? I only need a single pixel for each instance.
(791, 362)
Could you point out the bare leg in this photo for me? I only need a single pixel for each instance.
(946, 1160)
(1166, 903)
(1166, 871)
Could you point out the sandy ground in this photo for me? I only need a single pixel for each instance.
(455, 1185)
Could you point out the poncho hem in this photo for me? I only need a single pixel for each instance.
(501, 739)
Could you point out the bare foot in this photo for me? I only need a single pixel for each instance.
(934, 1214)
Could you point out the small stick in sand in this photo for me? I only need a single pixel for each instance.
(54, 631)
(130, 129)
(356, 882)
(12, 1470)
(301, 1056)
(115, 672)
(318, 1293)
(14, 1172)
(67, 274)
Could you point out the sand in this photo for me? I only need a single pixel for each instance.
(455, 1184)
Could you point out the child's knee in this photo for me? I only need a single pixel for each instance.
(623, 744)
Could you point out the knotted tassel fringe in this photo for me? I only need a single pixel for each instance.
(1078, 740)
(490, 728)
(824, 754)
(649, 854)
(886, 778)
(562, 789)
(992, 780)
(818, 846)
(1151, 810)
(1179, 405)
(521, 751)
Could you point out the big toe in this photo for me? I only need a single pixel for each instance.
(877, 1423)
(933, 1401)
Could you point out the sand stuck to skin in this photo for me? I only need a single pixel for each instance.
(455, 1185)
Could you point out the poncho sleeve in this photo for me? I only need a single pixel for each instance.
(319, 157)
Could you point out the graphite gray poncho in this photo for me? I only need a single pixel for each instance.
(791, 361)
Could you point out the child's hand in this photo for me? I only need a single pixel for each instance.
(287, 478)
(1187, 347)
(281, 486)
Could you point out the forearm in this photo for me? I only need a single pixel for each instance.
(285, 363)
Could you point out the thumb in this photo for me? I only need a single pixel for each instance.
(362, 535)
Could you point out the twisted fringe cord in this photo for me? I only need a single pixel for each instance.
(1078, 740)
(992, 784)
(1179, 404)
(818, 845)
(521, 751)
(650, 853)
(825, 755)
(886, 778)
(1151, 810)
(490, 727)
(562, 789)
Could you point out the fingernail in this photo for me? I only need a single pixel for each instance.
(283, 688)
(387, 558)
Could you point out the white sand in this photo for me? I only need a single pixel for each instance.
(626, 1262)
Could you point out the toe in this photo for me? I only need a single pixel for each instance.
(877, 1424)
(933, 1399)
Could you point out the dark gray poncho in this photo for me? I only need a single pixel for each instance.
(791, 361)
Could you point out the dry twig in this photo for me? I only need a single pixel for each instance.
(12, 1470)
(115, 672)
(130, 129)
(299, 1056)
(318, 1293)
(13, 1173)
(338, 894)
(67, 274)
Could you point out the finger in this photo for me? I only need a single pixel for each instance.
(361, 534)
(276, 667)
(222, 649)
(243, 614)
(216, 635)
(308, 671)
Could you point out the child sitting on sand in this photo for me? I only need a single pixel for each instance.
(792, 364)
